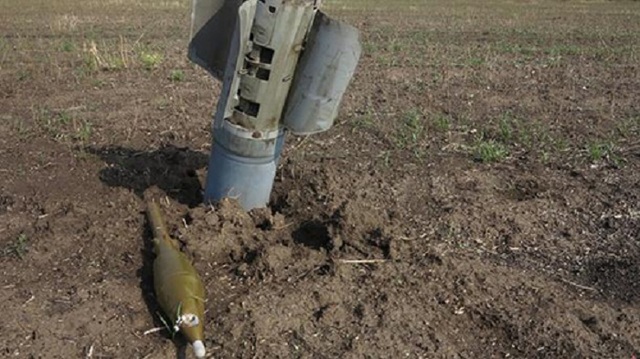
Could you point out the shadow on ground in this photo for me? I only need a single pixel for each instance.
(313, 234)
(171, 168)
(616, 277)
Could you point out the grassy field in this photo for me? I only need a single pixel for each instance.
(487, 152)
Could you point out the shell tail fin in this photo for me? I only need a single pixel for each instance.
(158, 225)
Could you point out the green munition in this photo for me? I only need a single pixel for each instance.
(178, 287)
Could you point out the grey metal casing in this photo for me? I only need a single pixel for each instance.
(323, 74)
(282, 64)
(328, 61)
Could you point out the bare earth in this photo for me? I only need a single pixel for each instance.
(478, 197)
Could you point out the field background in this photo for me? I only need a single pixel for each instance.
(487, 153)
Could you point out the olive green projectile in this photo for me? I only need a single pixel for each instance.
(177, 285)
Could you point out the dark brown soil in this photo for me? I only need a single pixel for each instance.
(401, 232)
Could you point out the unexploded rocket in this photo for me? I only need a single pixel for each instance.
(178, 287)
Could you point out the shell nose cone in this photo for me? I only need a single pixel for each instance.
(198, 349)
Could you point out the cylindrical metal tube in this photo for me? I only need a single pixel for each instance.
(333, 50)
(248, 134)
(245, 172)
